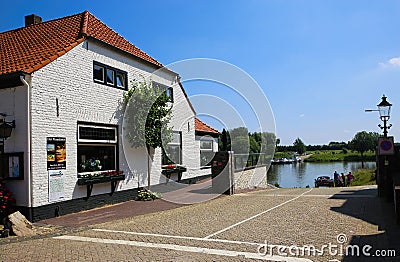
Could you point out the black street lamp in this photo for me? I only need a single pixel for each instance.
(384, 111)
(5, 131)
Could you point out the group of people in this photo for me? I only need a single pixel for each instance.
(342, 179)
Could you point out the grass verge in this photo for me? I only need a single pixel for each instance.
(363, 177)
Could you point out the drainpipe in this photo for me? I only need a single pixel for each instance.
(29, 148)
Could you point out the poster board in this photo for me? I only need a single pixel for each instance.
(56, 185)
(56, 153)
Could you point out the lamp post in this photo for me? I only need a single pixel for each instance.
(384, 112)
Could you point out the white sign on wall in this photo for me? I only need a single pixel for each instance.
(56, 185)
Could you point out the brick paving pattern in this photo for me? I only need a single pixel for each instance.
(190, 233)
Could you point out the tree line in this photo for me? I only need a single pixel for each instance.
(362, 142)
(241, 141)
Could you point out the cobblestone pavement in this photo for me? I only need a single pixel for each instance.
(262, 225)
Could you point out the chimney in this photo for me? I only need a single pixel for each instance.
(32, 20)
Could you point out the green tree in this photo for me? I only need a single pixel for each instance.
(268, 143)
(147, 117)
(255, 145)
(364, 141)
(239, 137)
(299, 146)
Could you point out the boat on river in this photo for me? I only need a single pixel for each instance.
(285, 160)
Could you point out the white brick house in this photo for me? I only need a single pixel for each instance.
(62, 81)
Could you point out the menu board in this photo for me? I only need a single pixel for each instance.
(56, 153)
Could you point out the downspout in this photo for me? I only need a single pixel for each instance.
(29, 148)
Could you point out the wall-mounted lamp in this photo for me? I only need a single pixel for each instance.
(6, 128)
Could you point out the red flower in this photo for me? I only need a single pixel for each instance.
(3, 207)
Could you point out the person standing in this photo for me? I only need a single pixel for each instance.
(343, 179)
(350, 178)
(336, 178)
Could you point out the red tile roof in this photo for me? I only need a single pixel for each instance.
(30, 48)
(203, 127)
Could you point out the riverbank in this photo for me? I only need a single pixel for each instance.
(303, 174)
(339, 155)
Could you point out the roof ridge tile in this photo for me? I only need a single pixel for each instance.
(85, 18)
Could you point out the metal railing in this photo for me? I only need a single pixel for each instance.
(250, 160)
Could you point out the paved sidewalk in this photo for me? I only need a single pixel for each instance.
(109, 213)
(229, 228)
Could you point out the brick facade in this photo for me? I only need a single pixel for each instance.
(63, 93)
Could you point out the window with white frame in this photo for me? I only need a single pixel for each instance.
(172, 153)
(206, 150)
(97, 148)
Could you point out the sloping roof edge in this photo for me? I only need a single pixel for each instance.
(203, 128)
(54, 57)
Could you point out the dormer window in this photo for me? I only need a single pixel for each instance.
(107, 75)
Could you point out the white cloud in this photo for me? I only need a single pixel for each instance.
(395, 61)
(302, 115)
(392, 62)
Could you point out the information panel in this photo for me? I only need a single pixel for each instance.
(56, 185)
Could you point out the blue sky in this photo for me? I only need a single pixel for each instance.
(320, 63)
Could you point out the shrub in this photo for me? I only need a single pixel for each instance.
(7, 202)
(146, 195)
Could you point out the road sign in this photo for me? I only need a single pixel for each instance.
(386, 146)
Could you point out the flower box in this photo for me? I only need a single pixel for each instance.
(167, 170)
(89, 178)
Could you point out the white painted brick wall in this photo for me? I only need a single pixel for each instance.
(70, 80)
(13, 102)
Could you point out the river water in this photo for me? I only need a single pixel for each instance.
(304, 173)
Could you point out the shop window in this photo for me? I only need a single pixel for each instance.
(107, 75)
(172, 153)
(96, 158)
(97, 148)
